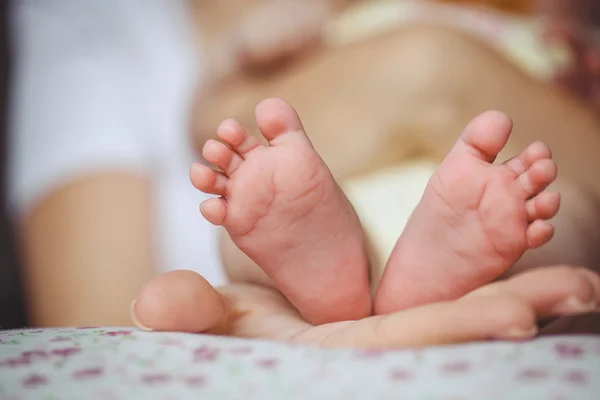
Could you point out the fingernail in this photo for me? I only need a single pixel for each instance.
(135, 319)
(573, 305)
(520, 333)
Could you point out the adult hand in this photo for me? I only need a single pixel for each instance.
(276, 31)
(184, 301)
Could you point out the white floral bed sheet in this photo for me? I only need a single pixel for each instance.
(113, 363)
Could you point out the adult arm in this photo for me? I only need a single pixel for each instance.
(80, 162)
(87, 250)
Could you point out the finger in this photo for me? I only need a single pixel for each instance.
(495, 316)
(504, 310)
(551, 291)
(181, 301)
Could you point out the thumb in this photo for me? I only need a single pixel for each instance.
(181, 301)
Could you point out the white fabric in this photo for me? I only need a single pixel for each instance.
(104, 85)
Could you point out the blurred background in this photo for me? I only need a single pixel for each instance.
(106, 103)
(12, 310)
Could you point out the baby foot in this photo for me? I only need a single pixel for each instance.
(474, 221)
(283, 209)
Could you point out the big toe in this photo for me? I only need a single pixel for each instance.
(278, 121)
(486, 135)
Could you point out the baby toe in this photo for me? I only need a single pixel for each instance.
(537, 178)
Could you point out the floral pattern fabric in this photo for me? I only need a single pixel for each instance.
(112, 363)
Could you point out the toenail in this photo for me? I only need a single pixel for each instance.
(135, 319)
(520, 333)
(573, 305)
